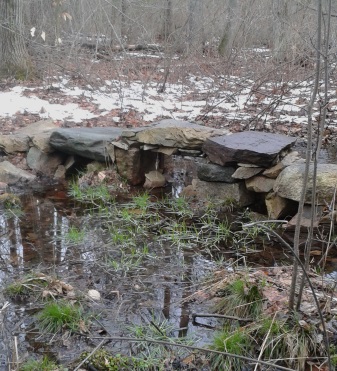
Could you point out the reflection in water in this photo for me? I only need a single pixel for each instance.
(35, 236)
(41, 236)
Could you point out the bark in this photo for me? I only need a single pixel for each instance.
(195, 22)
(124, 25)
(226, 42)
(168, 20)
(281, 14)
(14, 58)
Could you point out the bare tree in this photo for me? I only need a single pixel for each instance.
(14, 58)
(281, 16)
(168, 25)
(195, 25)
(124, 26)
(226, 41)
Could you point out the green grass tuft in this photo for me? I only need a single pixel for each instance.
(56, 316)
(45, 364)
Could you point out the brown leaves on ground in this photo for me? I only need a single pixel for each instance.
(56, 287)
(274, 284)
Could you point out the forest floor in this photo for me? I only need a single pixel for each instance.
(248, 92)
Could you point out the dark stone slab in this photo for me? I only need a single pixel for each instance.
(251, 147)
(216, 173)
(86, 142)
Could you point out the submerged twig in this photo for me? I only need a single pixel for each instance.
(206, 315)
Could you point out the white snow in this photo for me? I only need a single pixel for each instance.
(227, 97)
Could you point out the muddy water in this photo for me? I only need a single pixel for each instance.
(152, 289)
(136, 288)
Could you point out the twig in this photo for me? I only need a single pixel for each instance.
(264, 341)
(93, 352)
(205, 315)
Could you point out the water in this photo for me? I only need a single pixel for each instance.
(136, 286)
(135, 260)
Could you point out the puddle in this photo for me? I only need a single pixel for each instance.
(143, 281)
(142, 270)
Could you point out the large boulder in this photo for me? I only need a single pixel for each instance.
(173, 133)
(252, 147)
(86, 142)
(11, 174)
(289, 183)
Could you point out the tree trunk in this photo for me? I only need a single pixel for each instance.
(168, 20)
(226, 42)
(124, 25)
(281, 14)
(195, 25)
(14, 58)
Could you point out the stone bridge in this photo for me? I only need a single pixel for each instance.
(219, 166)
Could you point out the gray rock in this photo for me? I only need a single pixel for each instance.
(46, 163)
(290, 182)
(251, 147)
(14, 143)
(86, 142)
(274, 171)
(42, 142)
(222, 193)
(246, 172)
(275, 205)
(241, 164)
(215, 173)
(306, 218)
(260, 184)
(11, 174)
(38, 127)
(37, 134)
(134, 163)
(129, 165)
(174, 133)
(291, 158)
(154, 179)
(60, 172)
(69, 162)
(190, 152)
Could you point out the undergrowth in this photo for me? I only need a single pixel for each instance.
(56, 316)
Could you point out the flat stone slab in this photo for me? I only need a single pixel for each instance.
(246, 172)
(290, 182)
(86, 142)
(252, 147)
(173, 133)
